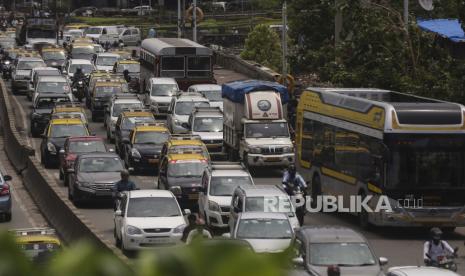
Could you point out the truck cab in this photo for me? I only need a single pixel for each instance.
(207, 123)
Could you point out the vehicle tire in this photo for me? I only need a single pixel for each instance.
(65, 180)
(8, 217)
(363, 220)
(70, 195)
(60, 174)
(316, 190)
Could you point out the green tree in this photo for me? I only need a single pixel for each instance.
(263, 45)
(266, 4)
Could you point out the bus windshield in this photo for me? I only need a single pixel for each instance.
(426, 162)
(266, 130)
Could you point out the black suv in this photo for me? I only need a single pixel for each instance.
(41, 110)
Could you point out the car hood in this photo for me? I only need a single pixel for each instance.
(43, 111)
(99, 177)
(58, 142)
(155, 222)
(23, 72)
(161, 99)
(217, 104)
(104, 67)
(148, 148)
(182, 118)
(269, 141)
(209, 135)
(55, 63)
(185, 181)
(269, 245)
(221, 200)
(348, 271)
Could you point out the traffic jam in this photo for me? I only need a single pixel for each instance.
(108, 106)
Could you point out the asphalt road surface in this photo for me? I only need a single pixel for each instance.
(400, 246)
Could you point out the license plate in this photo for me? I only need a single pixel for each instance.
(273, 159)
(193, 196)
(213, 146)
(153, 161)
(159, 241)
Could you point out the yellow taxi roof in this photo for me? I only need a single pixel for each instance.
(151, 128)
(66, 122)
(186, 156)
(185, 142)
(137, 114)
(128, 61)
(58, 49)
(68, 109)
(77, 44)
(38, 238)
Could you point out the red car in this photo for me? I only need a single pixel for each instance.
(75, 146)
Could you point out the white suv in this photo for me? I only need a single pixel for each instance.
(159, 93)
(181, 108)
(218, 184)
(119, 103)
(147, 219)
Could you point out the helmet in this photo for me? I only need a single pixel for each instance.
(79, 70)
(124, 174)
(436, 233)
(126, 72)
(291, 168)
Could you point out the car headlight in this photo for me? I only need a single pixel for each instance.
(51, 147)
(135, 153)
(83, 184)
(255, 150)
(177, 122)
(131, 230)
(288, 149)
(213, 206)
(176, 190)
(179, 229)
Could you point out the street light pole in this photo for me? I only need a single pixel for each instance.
(194, 21)
(284, 41)
(406, 4)
(179, 18)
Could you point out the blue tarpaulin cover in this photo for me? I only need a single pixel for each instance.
(448, 28)
(236, 90)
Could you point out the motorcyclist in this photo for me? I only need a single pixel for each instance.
(292, 179)
(196, 228)
(121, 186)
(126, 75)
(79, 75)
(436, 247)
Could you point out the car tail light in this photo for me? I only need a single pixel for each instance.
(5, 190)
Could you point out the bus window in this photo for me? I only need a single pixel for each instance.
(172, 67)
(198, 66)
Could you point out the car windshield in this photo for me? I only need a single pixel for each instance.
(266, 130)
(275, 204)
(87, 146)
(185, 108)
(213, 124)
(151, 137)
(60, 130)
(58, 55)
(106, 61)
(341, 254)
(225, 185)
(118, 108)
(53, 87)
(264, 229)
(164, 90)
(40, 251)
(86, 68)
(100, 164)
(213, 96)
(83, 50)
(94, 31)
(130, 122)
(49, 103)
(131, 67)
(104, 91)
(28, 65)
(144, 207)
(189, 168)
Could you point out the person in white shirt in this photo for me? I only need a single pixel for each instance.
(436, 247)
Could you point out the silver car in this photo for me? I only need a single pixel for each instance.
(322, 246)
(419, 270)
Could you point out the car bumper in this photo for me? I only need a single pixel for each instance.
(144, 162)
(218, 219)
(20, 84)
(5, 204)
(259, 160)
(148, 241)
(90, 193)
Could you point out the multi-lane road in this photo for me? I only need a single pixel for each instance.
(400, 246)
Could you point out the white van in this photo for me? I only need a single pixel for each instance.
(103, 34)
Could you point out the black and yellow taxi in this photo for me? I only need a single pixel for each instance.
(55, 136)
(54, 56)
(82, 50)
(38, 244)
(99, 76)
(184, 142)
(101, 95)
(133, 68)
(142, 149)
(181, 173)
(126, 122)
(64, 109)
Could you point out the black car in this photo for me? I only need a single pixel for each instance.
(126, 122)
(55, 137)
(143, 148)
(41, 110)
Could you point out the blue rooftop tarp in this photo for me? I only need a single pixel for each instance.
(236, 90)
(447, 28)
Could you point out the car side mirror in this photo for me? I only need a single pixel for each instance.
(186, 212)
(383, 261)
(7, 178)
(185, 125)
(70, 170)
(131, 170)
(118, 213)
(226, 235)
(298, 261)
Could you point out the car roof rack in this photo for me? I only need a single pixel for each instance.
(156, 124)
(34, 231)
(213, 109)
(185, 137)
(186, 151)
(66, 116)
(189, 94)
(68, 104)
(226, 165)
(136, 110)
(125, 96)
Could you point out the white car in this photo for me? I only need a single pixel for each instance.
(103, 34)
(106, 61)
(210, 91)
(181, 108)
(419, 271)
(218, 184)
(39, 72)
(52, 85)
(207, 122)
(71, 34)
(159, 93)
(265, 232)
(130, 36)
(117, 105)
(73, 64)
(147, 219)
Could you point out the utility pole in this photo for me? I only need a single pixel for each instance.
(337, 24)
(284, 41)
(183, 23)
(194, 21)
(406, 4)
(179, 19)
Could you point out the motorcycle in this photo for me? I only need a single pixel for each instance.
(299, 196)
(79, 90)
(444, 261)
(6, 70)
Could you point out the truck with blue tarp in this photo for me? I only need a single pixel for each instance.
(255, 128)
